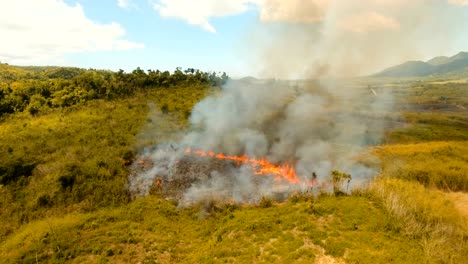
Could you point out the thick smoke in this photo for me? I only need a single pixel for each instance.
(317, 124)
(317, 127)
(316, 38)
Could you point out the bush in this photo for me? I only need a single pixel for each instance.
(36, 103)
(43, 200)
(338, 178)
(165, 108)
(67, 181)
(12, 172)
(265, 202)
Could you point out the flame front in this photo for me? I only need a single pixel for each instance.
(282, 173)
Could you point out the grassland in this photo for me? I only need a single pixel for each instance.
(67, 201)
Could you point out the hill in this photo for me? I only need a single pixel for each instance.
(65, 168)
(438, 60)
(436, 66)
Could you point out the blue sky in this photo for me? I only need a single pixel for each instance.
(241, 37)
(168, 43)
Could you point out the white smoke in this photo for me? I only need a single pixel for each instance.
(316, 126)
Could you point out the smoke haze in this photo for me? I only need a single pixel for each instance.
(318, 126)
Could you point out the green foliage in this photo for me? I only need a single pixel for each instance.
(13, 170)
(37, 89)
(36, 104)
(64, 168)
(76, 158)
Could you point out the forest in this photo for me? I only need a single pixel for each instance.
(34, 89)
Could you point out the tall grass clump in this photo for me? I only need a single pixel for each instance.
(426, 215)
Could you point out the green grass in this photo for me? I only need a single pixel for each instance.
(355, 228)
(424, 127)
(75, 159)
(63, 197)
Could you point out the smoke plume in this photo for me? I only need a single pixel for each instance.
(307, 117)
(316, 126)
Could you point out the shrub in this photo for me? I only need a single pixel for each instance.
(67, 181)
(165, 108)
(338, 178)
(43, 200)
(37, 102)
(265, 202)
(15, 170)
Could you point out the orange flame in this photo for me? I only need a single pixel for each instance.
(282, 173)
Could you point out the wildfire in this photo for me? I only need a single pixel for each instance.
(282, 173)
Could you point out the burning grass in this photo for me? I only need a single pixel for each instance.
(191, 176)
(263, 167)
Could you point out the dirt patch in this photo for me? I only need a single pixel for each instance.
(324, 259)
(320, 255)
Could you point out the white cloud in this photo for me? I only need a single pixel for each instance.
(458, 2)
(199, 12)
(42, 32)
(123, 3)
(127, 4)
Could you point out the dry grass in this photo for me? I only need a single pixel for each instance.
(434, 164)
(427, 215)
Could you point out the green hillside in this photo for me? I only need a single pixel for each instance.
(68, 139)
(434, 67)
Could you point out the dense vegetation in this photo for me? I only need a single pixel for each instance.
(75, 157)
(39, 88)
(64, 168)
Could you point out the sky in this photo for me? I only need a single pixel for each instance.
(241, 37)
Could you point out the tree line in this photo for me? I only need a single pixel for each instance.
(36, 88)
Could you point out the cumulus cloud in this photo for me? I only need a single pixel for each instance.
(46, 30)
(199, 12)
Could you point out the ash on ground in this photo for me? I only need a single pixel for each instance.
(167, 171)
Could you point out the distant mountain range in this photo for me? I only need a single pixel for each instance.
(435, 66)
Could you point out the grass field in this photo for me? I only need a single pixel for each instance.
(63, 191)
